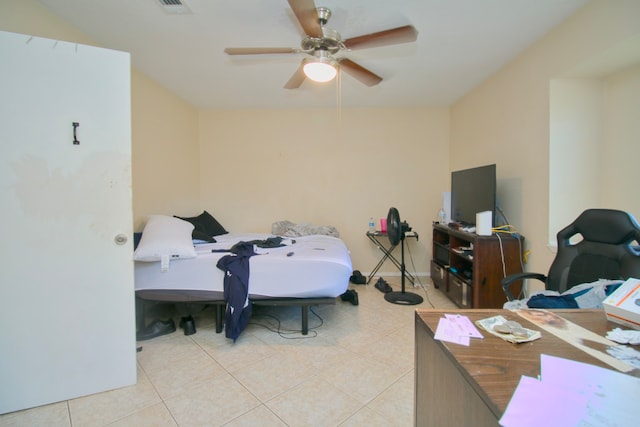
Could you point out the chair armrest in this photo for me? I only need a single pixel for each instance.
(508, 281)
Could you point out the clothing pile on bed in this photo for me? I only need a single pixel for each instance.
(290, 229)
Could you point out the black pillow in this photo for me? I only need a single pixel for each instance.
(205, 227)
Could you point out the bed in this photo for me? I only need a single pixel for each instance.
(304, 271)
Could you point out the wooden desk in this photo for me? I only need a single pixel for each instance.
(457, 385)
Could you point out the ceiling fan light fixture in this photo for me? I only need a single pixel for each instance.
(322, 68)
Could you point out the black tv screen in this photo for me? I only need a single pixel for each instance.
(472, 191)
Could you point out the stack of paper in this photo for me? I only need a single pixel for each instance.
(571, 393)
(457, 329)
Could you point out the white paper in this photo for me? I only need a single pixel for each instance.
(536, 404)
(456, 329)
(447, 331)
(611, 395)
(571, 393)
(464, 325)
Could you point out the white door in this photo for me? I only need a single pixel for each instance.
(67, 324)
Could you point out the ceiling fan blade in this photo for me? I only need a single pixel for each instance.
(359, 72)
(405, 34)
(296, 79)
(305, 11)
(259, 50)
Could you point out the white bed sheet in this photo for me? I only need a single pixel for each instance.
(320, 266)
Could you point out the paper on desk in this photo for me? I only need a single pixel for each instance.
(612, 396)
(589, 396)
(536, 404)
(465, 325)
(456, 329)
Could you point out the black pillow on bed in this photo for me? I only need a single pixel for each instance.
(205, 227)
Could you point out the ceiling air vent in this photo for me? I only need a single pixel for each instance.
(174, 6)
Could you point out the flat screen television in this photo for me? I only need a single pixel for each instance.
(472, 191)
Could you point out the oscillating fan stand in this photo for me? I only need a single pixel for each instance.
(396, 233)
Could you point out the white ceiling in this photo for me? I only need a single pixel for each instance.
(460, 43)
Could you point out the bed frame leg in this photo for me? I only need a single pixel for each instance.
(219, 308)
(305, 319)
(139, 314)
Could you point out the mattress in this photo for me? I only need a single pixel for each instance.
(314, 266)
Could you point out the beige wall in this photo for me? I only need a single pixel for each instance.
(165, 155)
(622, 139)
(575, 150)
(506, 119)
(593, 141)
(262, 166)
(308, 166)
(257, 167)
(164, 127)
(30, 17)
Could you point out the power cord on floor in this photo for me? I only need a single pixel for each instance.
(285, 333)
(415, 274)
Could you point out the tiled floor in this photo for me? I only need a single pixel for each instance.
(354, 368)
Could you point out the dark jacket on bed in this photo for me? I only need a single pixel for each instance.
(236, 288)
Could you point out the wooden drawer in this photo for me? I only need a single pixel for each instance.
(438, 275)
(460, 291)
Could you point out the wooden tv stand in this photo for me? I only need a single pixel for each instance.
(468, 268)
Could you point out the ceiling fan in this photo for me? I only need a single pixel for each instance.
(324, 47)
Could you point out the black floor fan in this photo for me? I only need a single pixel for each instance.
(396, 232)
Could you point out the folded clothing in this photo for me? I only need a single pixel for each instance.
(585, 295)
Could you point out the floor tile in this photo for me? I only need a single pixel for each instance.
(260, 416)
(232, 356)
(211, 403)
(103, 408)
(153, 416)
(354, 368)
(314, 403)
(367, 417)
(54, 415)
(273, 375)
(396, 403)
(165, 350)
(394, 349)
(179, 376)
(362, 378)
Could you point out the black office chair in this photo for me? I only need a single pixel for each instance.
(608, 250)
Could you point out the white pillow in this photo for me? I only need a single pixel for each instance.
(165, 238)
